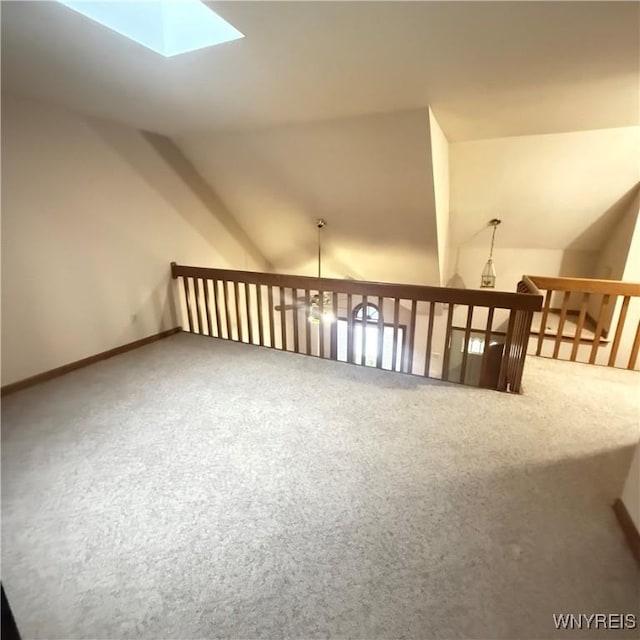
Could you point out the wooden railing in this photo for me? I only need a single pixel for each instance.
(412, 327)
(587, 320)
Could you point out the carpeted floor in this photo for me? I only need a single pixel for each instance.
(196, 488)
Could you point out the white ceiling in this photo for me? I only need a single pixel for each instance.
(487, 69)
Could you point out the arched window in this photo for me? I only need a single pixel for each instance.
(372, 313)
(369, 341)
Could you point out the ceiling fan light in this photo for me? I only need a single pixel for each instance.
(328, 317)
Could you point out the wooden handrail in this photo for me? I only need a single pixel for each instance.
(445, 295)
(230, 304)
(595, 303)
(530, 286)
(586, 285)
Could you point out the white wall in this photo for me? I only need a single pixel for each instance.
(617, 260)
(440, 165)
(512, 263)
(92, 215)
(615, 252)
(631, 490)
(556, 191)
(559, 197)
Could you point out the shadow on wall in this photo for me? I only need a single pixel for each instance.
(456, 281)
(602, 230)
(185, 170)
(293, 262)
(159, 162)
(158, 312)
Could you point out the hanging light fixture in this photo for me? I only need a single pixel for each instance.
(488, 278)
(326, 313)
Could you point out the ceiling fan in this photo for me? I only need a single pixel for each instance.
(312, 306)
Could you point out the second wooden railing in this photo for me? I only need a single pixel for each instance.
(475, 337)
(587, 320)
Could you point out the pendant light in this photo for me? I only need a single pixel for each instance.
(326, 315)
(488, 278)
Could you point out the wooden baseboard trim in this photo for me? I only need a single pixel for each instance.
(85, 362)
(628, 527)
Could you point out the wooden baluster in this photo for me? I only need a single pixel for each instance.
(307, 307)
(247, 303)
(380, 332)
(207, 306)
(283, 320)
(350, 348)
(513, 349)
(363, 340)
(543, 322)
(396, 321)
(272, 331)
(296, 335)
(563, 317)
(634, 350)
(216, 307)
(403, 350)
(427, 361)
(578, 334)
(260, 318)
(486, 349)
(198, 296)
(236, 299)
(527, 317)
(447, 344)
(604, 306)
(187, 297)
(226, 287)
(334, 328)
(467, 336)
(412, 335)
(321, 324)
(619, 329)
(506, 354)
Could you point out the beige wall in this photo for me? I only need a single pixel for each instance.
(615, 252)
(92, 215)
(440, 165)
(631, 490)
(511, 264)
(370, 177)
(559, 191)
(559, 197)
(617, 260)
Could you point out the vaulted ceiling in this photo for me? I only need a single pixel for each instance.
(488, 69)
(322, 111)
(370, 177)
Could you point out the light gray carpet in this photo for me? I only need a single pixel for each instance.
(202, 489)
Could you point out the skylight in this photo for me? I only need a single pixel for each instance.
(168, 27)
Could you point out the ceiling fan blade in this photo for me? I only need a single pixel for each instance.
(287, 307)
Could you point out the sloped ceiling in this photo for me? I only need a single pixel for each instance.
(369, 177)
(562, 191)
(488, 69)
(322, 111)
